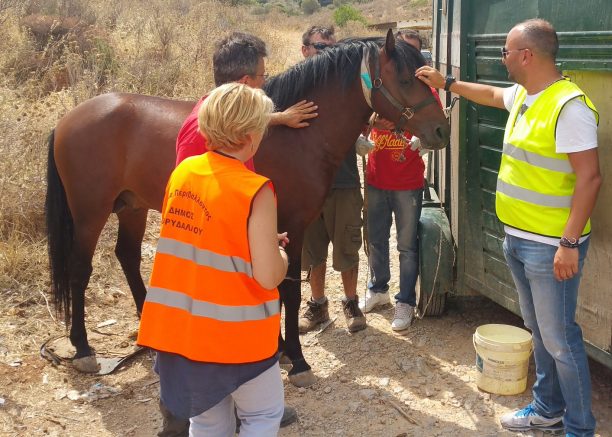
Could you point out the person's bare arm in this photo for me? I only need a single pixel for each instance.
(295, 116)
(269, 261)
(588, 181)
(482, 94)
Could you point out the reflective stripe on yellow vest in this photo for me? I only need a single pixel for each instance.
(203, 301)
(535, 184)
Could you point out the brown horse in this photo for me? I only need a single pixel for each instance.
(115, 152)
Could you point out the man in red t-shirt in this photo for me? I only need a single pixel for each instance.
(238, 58)
(395, 175)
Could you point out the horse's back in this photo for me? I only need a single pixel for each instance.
(118, 145)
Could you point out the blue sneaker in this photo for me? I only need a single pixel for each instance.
(527, 418)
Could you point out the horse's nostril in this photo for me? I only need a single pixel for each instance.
(443, 133)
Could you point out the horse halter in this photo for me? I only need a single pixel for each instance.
(368, 86)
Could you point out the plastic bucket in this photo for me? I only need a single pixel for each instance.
(502, 358)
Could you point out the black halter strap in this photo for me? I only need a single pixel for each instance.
(406, 112)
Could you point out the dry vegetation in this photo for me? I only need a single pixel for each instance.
(55, 54)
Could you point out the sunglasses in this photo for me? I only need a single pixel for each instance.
(320, 45)
(265, 75)
(505, 51)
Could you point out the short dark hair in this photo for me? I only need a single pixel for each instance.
(410, 34)
(237, 55)
(325, 32)
(541, 36)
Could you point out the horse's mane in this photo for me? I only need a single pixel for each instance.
(344, 59)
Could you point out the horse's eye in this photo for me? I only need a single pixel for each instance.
(405, 82)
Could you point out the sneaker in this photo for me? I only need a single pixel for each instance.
(355, 320)
(373, 300)
(527, 418)
(404, 313)
(315, 314)
(289, 416)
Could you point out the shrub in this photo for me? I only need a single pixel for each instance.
(309, 7)
(346, 13)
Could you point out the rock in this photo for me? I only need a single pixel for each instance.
(367, 394)
(383, 382)
(73, 395)
(353, 407)
(327, 389)
(422, 366)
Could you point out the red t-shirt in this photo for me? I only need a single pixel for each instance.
(385, 169)
(190, 142)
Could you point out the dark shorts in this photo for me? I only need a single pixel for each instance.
(339, 223)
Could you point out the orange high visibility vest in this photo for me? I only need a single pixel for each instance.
(203, 301)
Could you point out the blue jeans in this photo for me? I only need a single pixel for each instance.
(406, 206)
(548, 307)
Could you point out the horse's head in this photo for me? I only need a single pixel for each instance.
(398, 96)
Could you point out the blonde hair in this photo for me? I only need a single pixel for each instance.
(231, 112)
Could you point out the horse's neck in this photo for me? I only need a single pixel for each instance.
(302, 162)
(342, 116)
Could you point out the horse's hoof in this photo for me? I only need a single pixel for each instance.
(285, 362)
(303, 379)
(87, 364)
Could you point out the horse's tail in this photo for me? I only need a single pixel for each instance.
(59, 234)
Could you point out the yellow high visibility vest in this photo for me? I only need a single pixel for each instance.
(203, 302)
(535, 184)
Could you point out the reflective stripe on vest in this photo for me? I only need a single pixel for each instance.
(203, 302)
(536, 184)
(221, 313)
(203, 257)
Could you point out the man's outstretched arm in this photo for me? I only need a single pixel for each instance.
(482, 94)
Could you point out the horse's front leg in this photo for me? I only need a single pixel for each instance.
(300, 374)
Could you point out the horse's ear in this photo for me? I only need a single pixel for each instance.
(390, 43)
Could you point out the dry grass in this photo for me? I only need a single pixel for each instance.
(56, 54)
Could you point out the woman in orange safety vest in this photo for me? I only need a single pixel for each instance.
(212, 308)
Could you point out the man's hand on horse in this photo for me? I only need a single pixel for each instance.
(296, 116)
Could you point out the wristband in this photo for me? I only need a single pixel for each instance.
(570, 243)
(448, 82)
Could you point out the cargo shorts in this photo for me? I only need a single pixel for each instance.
(339, 223)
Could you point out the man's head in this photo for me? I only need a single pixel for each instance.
(234, 115)
(317, 38)
(410, 36)
(530, 45)
(240, 58)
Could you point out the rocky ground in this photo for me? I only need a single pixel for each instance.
(374, 382)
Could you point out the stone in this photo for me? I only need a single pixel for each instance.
(367, 394)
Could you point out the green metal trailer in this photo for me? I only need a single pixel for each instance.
(467, 37)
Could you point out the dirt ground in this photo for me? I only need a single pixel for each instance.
(373, 382)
